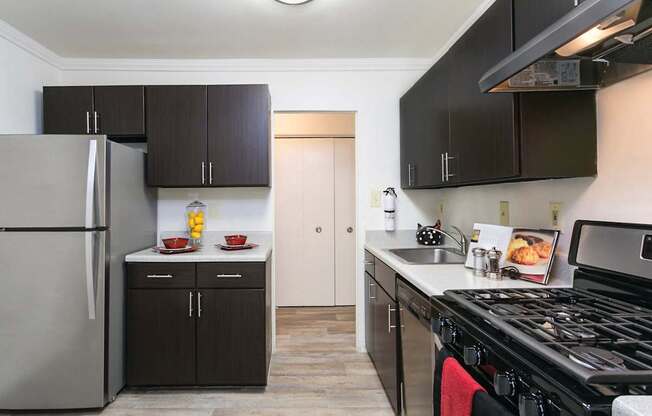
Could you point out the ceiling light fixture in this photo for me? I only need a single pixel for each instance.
(294, 2)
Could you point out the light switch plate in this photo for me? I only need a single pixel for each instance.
(504, 212)
(375, 198)
(555, 215)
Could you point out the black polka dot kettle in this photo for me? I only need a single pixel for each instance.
(427, 236)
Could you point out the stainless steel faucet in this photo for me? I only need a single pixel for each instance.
(463, 242)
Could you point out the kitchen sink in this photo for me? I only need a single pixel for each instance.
(429, 255)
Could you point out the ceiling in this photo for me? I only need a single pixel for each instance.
(219, 29)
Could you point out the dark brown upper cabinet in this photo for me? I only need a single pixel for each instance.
(176, 135)
(425, 125)
(67, 110)
(120, 110)
(117, 111)
(239, 135)
(494, 138)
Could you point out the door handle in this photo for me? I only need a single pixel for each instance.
(318, 230)
(448, 174)
(198, 304)
(160, 276)
(370, 286)
(229, 276)
(389, 319)
(190, 304)
(349, 230)
(88, 122)
(210, 173)
(443, 172)
(90, 274)
(203, 173)
(95, 118)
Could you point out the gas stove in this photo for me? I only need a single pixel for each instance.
(563, 351)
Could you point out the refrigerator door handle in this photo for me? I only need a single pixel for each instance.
(90, 183)
(90, 275)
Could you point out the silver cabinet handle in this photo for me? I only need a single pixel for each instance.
(95, 116)
(203, 173)
(190, 304)
(448, 174)
(389, 319)
(318, 230)
(411, 174)
(369, 263)
(199, 304)
(88, 122)
(160, 276)
(229, 276)
(443, 172)
(210, 173)
(370, 286)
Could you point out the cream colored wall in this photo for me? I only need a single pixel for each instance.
(622, 191)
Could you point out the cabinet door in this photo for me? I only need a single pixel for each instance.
(120, 110)
(160, 337)
(370, 289)
(239, 135)
(67, 110)
(176, 136)
(425, 129)
(231, 337)
(531, 17)
(483, 136)
(386, 344)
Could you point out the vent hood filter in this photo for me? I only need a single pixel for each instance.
(582, 50)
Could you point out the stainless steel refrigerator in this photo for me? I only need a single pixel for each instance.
(71, 207)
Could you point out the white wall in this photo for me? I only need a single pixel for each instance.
(622, 191)
(22, 76)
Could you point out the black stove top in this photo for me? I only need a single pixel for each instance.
(594, 338)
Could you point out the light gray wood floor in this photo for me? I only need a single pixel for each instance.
(316, 371)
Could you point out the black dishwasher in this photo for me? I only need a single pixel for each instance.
(418, 351)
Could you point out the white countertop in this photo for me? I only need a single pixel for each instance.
(632, 406)
(434, 279)
(209, 253)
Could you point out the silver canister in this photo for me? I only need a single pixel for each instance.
(493, 260)
(479, 262)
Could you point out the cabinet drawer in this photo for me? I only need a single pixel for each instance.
(160, 275)
(386, 278)
(369, 263)
(231, 275)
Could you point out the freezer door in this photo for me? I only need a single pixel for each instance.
(53, 181)
(52, 320)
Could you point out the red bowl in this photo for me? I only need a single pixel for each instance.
(235, 240)
(175, 242)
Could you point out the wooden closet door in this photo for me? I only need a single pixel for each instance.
(305, 222)
(344, 186)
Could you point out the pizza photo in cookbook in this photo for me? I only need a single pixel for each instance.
(532, 252)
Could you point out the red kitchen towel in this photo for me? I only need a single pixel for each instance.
(457, 389)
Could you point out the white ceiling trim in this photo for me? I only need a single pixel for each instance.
(462, 29)
(29, 45)
(246, 65)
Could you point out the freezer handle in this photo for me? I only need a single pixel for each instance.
(90, 183)
(90, 275)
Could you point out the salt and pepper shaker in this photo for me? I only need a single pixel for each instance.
(479, 262)
(493, 271)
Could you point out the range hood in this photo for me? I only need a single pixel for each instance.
(598, 43)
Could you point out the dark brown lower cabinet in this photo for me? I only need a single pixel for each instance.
(231, 337)
(161, 330)
(369, 289)
(385, 345)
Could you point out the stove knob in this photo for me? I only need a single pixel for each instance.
(448, 332)
(473, 355)
(505, 384)
(531, 405)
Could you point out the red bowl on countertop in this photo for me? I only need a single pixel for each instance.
(236, 239)
(175, 242)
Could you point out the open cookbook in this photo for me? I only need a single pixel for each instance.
(529, 251)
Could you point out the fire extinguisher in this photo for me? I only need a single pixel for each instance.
(389, 206)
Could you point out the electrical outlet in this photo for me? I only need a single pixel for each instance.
(555, 215)
(375, 198)
(504, 212)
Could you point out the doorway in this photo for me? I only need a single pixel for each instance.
(315, 208)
